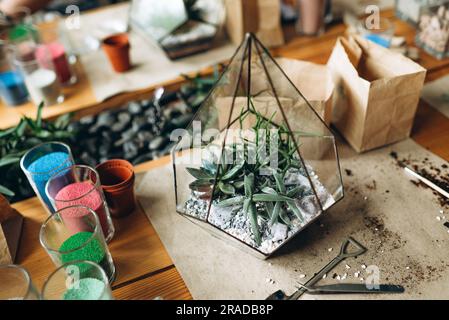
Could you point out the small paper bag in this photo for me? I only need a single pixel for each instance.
(305, 76)
(10, 229)
(262, 17)
(377, 93)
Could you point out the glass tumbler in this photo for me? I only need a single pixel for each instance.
(70, 282)
(41, 162)
(41, 78)
(52, 45)
(80, 185)
(74, 233)
(12, 86)
(16, 284)
(379, 31)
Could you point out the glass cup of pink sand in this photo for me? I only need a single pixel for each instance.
(74, 233)
(16, 284)
(80, 185)
(41, 162)
(78, 280)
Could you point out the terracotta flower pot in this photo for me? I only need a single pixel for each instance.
(117, 48)
(117, 180)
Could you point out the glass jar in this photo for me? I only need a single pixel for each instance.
(16, 284)
(70, 282)
(53, 43)
(41, 162)
(80, 185)
(311, 17)
(41, 79)
(74, 233)
(12, 86)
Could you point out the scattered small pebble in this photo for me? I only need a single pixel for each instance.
(365, 198)
(441, 211)
(438, 218)
(407, 268)
(330, 249)
(325, 276)
(363, 266)
(344, 276)
(302, 276)
(357, 274)
(362, 279)
(338, 277)
(347, 266)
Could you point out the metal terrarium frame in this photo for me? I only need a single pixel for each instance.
(253, 52)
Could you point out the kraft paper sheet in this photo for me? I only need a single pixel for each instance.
(382, 209)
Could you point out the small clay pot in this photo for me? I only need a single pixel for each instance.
(117, 180)
(117, 48)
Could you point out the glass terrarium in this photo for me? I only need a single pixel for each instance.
(257, 164)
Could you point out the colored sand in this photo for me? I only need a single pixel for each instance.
(12, 88)
(91, 251)
(82, 193)
(85, 289)
(42, 169)
(55, 51)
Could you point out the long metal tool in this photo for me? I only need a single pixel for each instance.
(344, 253)
(427, 182)
(354, 288)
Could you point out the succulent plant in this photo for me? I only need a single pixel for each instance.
(241, 184)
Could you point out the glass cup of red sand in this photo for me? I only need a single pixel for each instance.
(117, 48)
(16, 284)
(117, 180)
(68, 282)
(80, 185)
(41, 162)
(74, 233)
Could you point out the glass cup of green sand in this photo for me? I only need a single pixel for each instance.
(41, 162)
(77, 280)
(74, 233)
(16, 284)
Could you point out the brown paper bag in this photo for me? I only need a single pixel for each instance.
(377, 93)
(262, 17)
(10, 229)
(305, 76)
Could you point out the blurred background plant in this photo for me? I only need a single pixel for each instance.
(16, 141)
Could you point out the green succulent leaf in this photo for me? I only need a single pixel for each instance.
(269, 190)
(200, 184)
(262, 197)
(252, 213)
(249, 185)
(284, 217)
(226, 188)
(279, 182)
(292, 206)
(231, 173)
(231, 202)
(5, 161)
(199, 173)
(7, 132)
(275, 214)
(239, 184)
(6, 191)
(293, 193)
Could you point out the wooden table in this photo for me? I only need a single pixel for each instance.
(144, 269)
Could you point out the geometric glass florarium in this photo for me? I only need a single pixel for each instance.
(257, 164)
